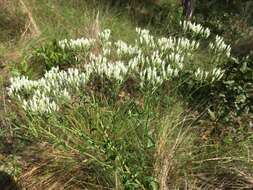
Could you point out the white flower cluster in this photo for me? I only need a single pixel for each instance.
(43, 94)
(197, 29)
(21, 84)
(103, 67)
(145, 38)
(124, 49)
(80, 43)
(177, 59)
(106, 43)
(105, 35)
(215, 75)
(220, 47)
(177, 44)
(40, 103)
(151, 74)
(150, 61)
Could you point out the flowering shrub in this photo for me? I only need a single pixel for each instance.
(150, 61)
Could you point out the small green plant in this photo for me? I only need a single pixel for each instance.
(52, 55)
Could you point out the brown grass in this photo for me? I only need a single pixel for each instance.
(51, 169)
(32, 25)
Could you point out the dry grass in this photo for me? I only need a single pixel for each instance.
(170, 146)
(48, 168)
(13, 21)
(32, 24)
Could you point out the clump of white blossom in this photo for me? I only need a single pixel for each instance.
(219, 47)
(124, 49)
(197, 29)
(145, 38)
(40, 103)
(150, 60)
(80, 43)
(43, 95)
(112, 70)
(202, 75)
(106, 43)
